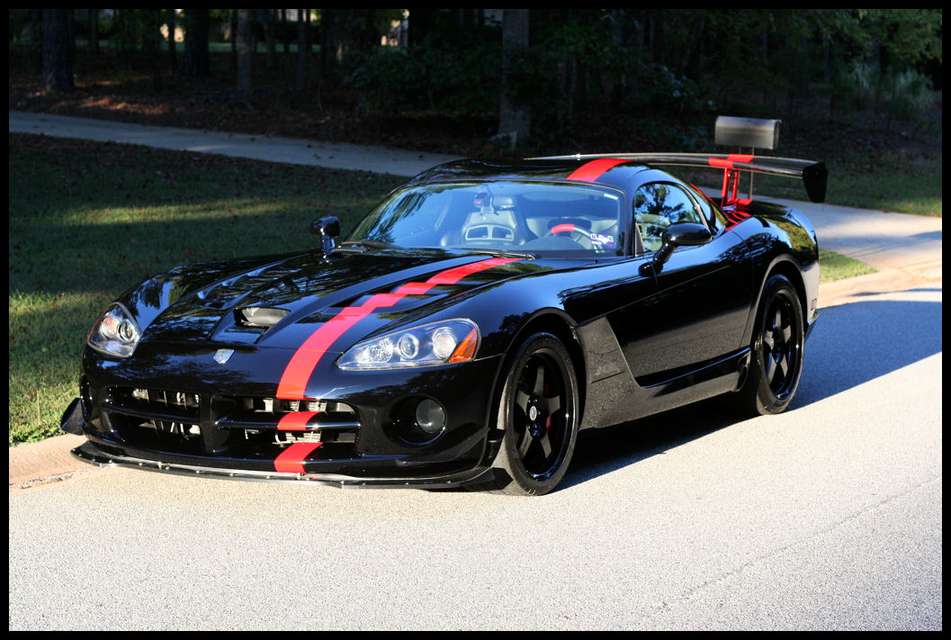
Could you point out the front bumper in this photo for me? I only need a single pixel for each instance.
(211, 440)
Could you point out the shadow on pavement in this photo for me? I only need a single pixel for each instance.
(926, 235)
(852, 344)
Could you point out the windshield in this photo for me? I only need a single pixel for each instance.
(503, 216)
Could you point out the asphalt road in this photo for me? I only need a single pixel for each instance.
(825, 517)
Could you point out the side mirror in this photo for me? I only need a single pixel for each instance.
(684, 234)
(328, 228)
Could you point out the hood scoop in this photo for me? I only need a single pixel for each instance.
(258, 317)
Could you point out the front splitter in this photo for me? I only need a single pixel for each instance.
(89, 452)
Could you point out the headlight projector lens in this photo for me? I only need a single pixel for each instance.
(408, 346)
(430, 416)
(443, 343)
(126, 331)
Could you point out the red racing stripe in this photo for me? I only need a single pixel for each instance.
(454, 275)
(297, 373)
(414, 288)
(291, 460)
(591, 171)
(295, 421)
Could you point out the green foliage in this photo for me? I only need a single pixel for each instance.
(456, 76)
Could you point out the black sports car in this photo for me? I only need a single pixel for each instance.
(473, 323)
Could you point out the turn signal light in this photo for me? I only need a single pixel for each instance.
(466, 349)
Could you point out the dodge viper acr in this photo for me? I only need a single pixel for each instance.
(466, 331)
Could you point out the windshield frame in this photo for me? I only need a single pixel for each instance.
(622, 241)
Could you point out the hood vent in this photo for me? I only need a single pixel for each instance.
(259, 317)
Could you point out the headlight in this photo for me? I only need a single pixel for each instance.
(427, 345)
(115, 333)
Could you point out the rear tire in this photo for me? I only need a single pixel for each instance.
(777, 352)
(538, 413)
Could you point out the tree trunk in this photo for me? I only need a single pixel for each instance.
(171, 40)
(196, 43)
(369, 36)
(328, 30)
(94, 30)
(152, 43)
(233, 37)
(620, 37)
(420, 24)
(692, 45)
(658, 40)
(309, 46)
(245, 51)
(285, 37)
(120, 34)
(514, 118)
(267, 15)
(36, 29)
(57, 50)
(71, 32)
(303, 46)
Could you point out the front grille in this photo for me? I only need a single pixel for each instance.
(333, 422)
(276, 407)
(162, 418)
(164, 410)
(242, 426)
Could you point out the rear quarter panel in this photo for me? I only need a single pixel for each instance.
(775, 234)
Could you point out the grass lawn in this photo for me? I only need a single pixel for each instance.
(835, 266)
(88, 220)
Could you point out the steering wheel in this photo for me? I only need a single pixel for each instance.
(570, 228)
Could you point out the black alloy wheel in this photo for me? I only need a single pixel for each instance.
(777, 352)
(782, 348)
(539, 415)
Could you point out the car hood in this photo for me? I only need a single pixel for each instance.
(202, 303)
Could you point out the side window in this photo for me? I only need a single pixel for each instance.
(709, 209)
(657, 205)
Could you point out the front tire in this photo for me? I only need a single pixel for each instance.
(539, 414)
(777, 352)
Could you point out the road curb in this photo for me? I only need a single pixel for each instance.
(883, 281)
(46, 461)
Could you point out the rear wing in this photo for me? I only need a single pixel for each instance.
(813, 174)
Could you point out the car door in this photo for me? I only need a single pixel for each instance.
(702, 294)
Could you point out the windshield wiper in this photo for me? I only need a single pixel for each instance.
(497, 252)
(366, 244)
